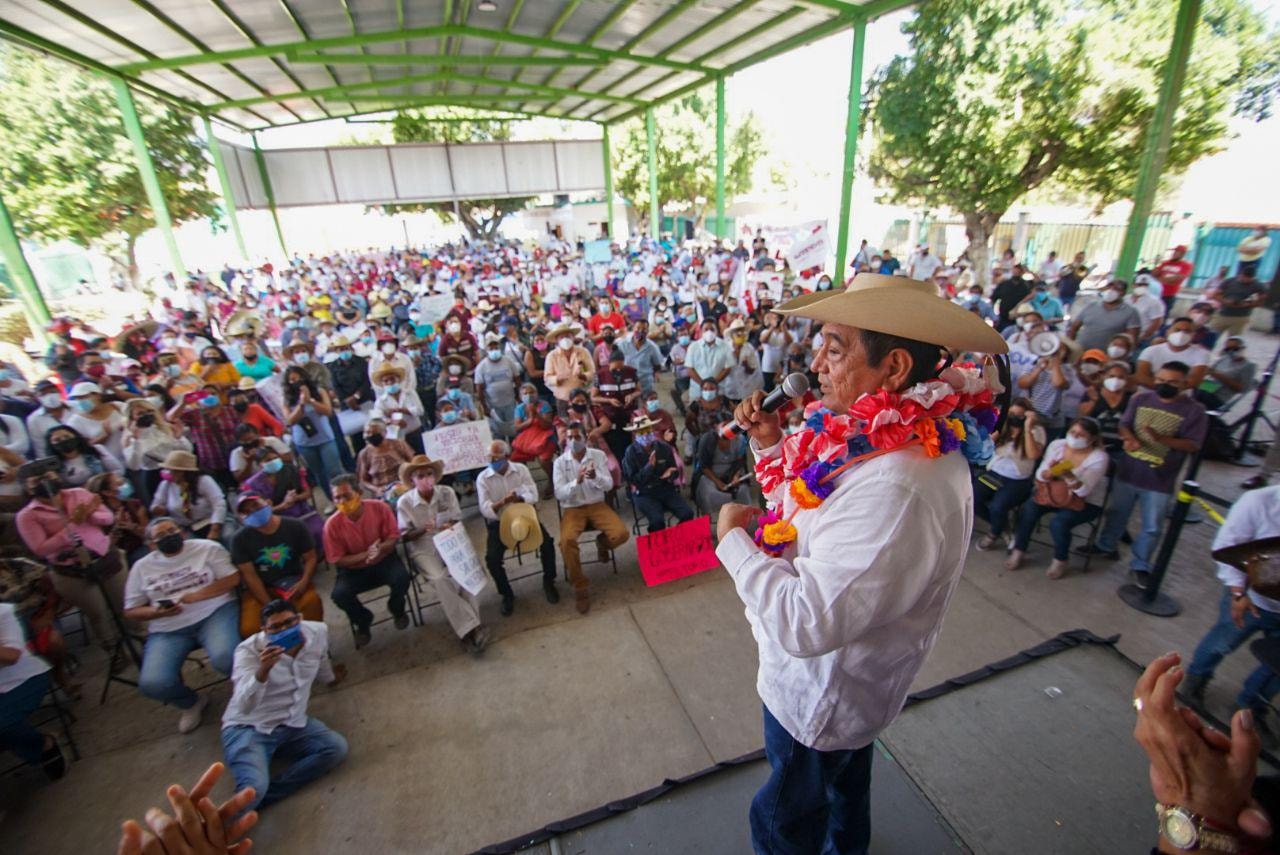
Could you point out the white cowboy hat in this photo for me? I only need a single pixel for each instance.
(899, 306)
(519, 525)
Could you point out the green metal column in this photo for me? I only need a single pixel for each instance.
(225, 184)
(1158, 136)
(24, 281)
(608, 177)
(720, 230)
(655, 209)
(147, 169)
(271, 196)
(850, 149)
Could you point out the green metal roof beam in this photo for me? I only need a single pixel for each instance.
(612, 18)
(244, 30)
(374, 97)
(876, 8)
(654, 26)
(510, 24)
(800, 39)
(302, 31)
(439, 59)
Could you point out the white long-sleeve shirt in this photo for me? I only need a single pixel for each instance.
(11, 635)
(494, 487)
(1255, 515)
(845, 618)
(385, 405)
(207, 507)
(564, 474)
(283, 698)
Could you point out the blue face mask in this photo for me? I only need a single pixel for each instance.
(288, 639)
(393, 389)
(84, 405)
(449, 416)
(291, 325)
(652, 406)
(709, 394)
(345, 355)
(684, 341)
(6, 374)
(498, 465)
(495, 354)
(172, 370)
(454, 394)
(271, 467)
(209, 401)
(646, 439)
(259, 518)
(125, 490)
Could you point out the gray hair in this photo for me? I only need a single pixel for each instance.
(155, 521)
(501, 444)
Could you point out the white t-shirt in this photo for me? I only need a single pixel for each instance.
(238, 456)
(1158, 354)
(92, 429)
(772, 350)
(924, 266)
(157, 576)
(11, 635)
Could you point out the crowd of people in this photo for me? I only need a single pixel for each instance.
(199, 473)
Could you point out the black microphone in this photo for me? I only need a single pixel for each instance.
(792, 386)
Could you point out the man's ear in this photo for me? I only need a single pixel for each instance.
(897, 365)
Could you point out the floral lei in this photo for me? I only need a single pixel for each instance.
(956, 412)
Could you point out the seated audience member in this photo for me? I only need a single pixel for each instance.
(67, 528)
(1107, 403)
(652, 407)
(581, 480)
(79, 461)
(651, 471)
(266, 719)
(276, 557)
(424, 510)
(249, 441)
(459, 399)
(26, 585)
(360, 541)
(252, 364)
(148, 439)
(1232, 374)
(99, 421)
(1006, 482)
(721, 472)
(500, 486)
(24, 681)
(535, 430)
(616, 392)
(708, 410)
(1072, 474)
(185, 593)
(398, 405)
(128, 532)
(1120, 349)
(378, 463)
(251, 411)
(595, 423)
(53, 411)
(285, 485)
(190, 498)
(1177, 347)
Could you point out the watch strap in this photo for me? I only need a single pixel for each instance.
(1209, 836)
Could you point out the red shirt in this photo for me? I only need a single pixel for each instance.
(598, 322)
(344, 536)
(1172, 275)
(267, 424)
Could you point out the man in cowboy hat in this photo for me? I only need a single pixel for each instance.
(389, 353)
(845, 617)
(653, 472)
(500, 486)
(426, 509)
(581, 477)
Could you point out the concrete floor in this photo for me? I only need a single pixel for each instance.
(563, 713)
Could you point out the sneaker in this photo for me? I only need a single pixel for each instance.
(549, 588)
(53, 761)
(508, 605)
(401, 621)
(191, 716)
(1255, 482)
(362, 637)
(986, 542)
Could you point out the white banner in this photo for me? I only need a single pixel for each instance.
(461, 447)
(459, 555)
(810, 247)
(434, 307)
(769, 280)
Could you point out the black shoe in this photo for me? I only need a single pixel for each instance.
(1094, 549)
(54, 761)
(401, 621)
(1126, 538)
(553, 596)
(508, 605)
(1255, 482)
(362, 637)
(475, 641)
(1192, 689)
(1141, 578)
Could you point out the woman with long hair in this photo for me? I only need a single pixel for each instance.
(192, 499)
(79, 461)
(128, 533)
(281, 481)
(307, 411)
(148, 440)
(1007, 482)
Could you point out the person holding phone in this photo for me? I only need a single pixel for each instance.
(307, 411)
(266, 718)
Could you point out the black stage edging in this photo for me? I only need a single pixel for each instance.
(1057, 644)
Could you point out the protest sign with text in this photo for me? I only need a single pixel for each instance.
(461, 447)
(676, 552)
(459, 555)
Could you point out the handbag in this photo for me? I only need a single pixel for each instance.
(80, 562)
(1055, 493)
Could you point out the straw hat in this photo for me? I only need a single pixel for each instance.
(339, 341)
(899, 306)
(1260, 559)
(247, 384)
(380, 312)
(386, 370)
(562, 330)
(417, 462)
(642, 423)
(180, 461)
(244, 322)
(147, 328)
(519, 525)
(737, 326)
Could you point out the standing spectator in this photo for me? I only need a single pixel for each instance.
(1007, 480)
(1172, 274)
(24, 682)
(568, 367)
(642, 354)
(924, 264)
(212, 428)
(617, 391)
(744, 376)
(1008, 294)
(1176, 347)
(710, 357)
(53, 411)
(1159, 429)
(889, 265)
(1106, 404)
(1069, 285)
(360, 541)
(308, 408)
(1150, 307)
(1237, 298)
(496, 377)
(499, 486)
(1250, 250)
(1044, 384)
(581, 478)
(276, 557)
(1097, 323)
(184, 592)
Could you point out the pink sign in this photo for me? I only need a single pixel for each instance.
(676, 552)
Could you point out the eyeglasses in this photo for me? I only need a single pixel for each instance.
(287, 623)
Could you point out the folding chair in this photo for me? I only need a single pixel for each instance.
(588, 536)
(413, 605)
(52, 709)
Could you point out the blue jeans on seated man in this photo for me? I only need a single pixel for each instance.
(654, 503)
(16, 706)
(1153, 504)
(352, 582)
(164, 653)
(814, 801)
(311, 751)
(1262, 683)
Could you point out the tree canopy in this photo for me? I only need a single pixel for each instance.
(686, 141)
(68, 169)
(999, 97)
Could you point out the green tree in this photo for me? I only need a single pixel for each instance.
(481, 217)
(999, 97)
(686, 143)
(68, 169)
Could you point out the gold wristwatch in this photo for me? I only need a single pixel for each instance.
(1186, 830)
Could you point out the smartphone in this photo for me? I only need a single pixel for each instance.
(193, 397)
(165, 604)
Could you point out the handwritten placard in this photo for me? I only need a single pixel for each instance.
(434, 307)
(597, 252)
(809, 248)
(676, 552)
(459, 555)
(461, 447)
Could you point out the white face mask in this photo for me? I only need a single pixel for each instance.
(1116, 352)
(1077, 442)
(455, 328)
(388, 348)
(1114, 384)
(709, 336)
(565, 343)
(1138, 291)
(51, 401)
(1180, 339)
(1110, 296)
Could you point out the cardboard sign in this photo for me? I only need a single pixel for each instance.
(434, 307)
(676, 552)
(597, 252)
(459, 555)
(461, 447)
(770, 281)
(810, 248)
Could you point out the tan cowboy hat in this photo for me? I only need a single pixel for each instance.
(386, 369)
(339, 341)
(147, 328)
(562, 330)
(420, 461)
(642, 423)
(899, 306)
(456, 358)
(247, 384)
(243, 322)
(737, 326)
(380, 312)
(180, 461)
(519, 525)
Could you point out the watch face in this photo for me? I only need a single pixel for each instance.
(1179, 829)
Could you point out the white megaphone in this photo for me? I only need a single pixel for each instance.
(1044, 344)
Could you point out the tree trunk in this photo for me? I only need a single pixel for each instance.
(126, 262)
(978, 227)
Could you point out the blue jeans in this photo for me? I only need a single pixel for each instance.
(994, 505)
(164, 653)
(654, 504)
(1060, 527)
(323, 462)
(16, 734)
(814, 801)
(311, 751)
(1153, 504)
(1262, 683)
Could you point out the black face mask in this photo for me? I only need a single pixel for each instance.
(1017, 421)
(1166, 390)
(239, 406)
(374, 439)
(145, 421)
(48, 488)
(65, 445)
(579, 407)
(251, 443)
(170, 544)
